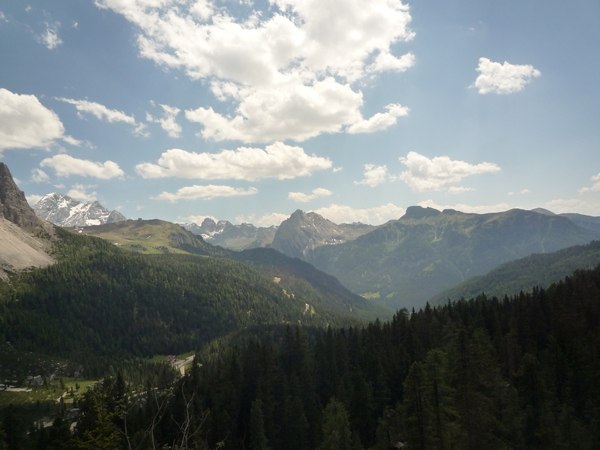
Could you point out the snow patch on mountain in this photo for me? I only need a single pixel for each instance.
(65, 211)
(235, 237)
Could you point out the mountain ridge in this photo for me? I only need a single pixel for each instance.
(65, 211)
(13, 204)
(536, 270)
(406, 262)
(25, 240)
(234, 237)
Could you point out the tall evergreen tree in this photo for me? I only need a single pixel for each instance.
(258, 439)
(336, 427)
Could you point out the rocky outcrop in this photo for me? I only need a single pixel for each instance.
(302, 232)
(13, 205)
(65, 211)
(234, 237)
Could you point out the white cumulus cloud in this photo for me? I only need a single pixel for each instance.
(266, 220)
(503, 78)
(270, 113)
(26, 123)
(167, 122)
(304, 198)
(594, 188)
(205, 192)
(379, 121)
(33, 199)
(375, 216)
(275, 161)
(39, 176)
(439, 173)
(386, 61)
(101, 112)
(79, 192)
(289, 71)
(459, 189)
(65, 165)
(374, 175)
(574, 205)
(198, 219)
(479, 209)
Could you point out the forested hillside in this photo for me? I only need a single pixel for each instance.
(101, 301)
(406, 262)
(299, 276)
(486, 373)
(539, 270)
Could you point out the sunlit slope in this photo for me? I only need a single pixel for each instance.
(299, 276)
(151, 237)
(408, 261)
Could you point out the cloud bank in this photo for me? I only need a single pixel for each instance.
(347, 214)
(205, 192)
(65, 166)
(275, 161)
(480, 209)
(289, 71)
(439, 173)
(26, 123)
(304, 198)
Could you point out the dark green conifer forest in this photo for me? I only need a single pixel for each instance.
(511, 373)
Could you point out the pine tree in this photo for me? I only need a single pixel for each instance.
(416, 409)
(439, 394)
(336, 427)
(258, 439)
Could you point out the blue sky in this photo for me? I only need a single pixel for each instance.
(248, 110)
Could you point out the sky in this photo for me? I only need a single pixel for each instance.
(249, 110)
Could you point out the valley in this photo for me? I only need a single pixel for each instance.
(118, 330)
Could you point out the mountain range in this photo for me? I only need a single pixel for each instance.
(234, 237)
(161, 289)
(112, 293)
(406, 262)
(65, 211)
(402, 263)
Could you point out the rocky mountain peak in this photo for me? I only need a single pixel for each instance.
(235, 237)
(298, 235)
(418, 212)
(209, 224)
(13, 205)
(65, 211)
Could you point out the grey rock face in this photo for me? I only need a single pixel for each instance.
(65, 211)
(302, 232)
(13, 205)
(235, 237)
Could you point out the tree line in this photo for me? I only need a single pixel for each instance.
(518, 372)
